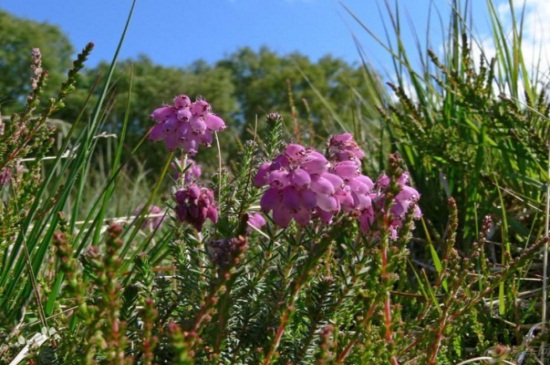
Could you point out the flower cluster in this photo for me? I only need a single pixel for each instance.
(185, 125)
(399, 206)
(342, 147)
(303, 183)
(345, 157)
(192, 173)
(195, 204)
(300, 184)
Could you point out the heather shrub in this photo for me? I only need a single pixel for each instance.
(293, 255)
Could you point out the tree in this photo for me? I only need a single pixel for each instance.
(244, 86)
(266, 82)
(17, 39)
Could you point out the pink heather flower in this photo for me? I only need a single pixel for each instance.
(403, 200)
(185, 125)
(342, 147)
(346, 156)
(383, 181)
(152, 223)
(193, 171)
(194, 205)
(255, 220)
(300, 185)
(406, 196)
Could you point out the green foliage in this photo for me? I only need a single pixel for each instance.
(474, 130)
(105, 290)
(244, 87)
(17, 38)
(461, 114)
(26, 208)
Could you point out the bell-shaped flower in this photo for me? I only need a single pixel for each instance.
(185, 125)
(342, 147)
(194, 205)
(255, 221)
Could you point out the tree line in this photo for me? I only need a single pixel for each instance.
(242, 87)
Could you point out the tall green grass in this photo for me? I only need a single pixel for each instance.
(471, 125)
(72, 195)
(472, 130)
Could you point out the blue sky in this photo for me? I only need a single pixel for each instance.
(178, 32)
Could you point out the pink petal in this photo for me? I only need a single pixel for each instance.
(172, 141)
(417, 212)
(198, 126)
(184, 115)
(270, 199)
(181, 196)
(182, 101)
(383, 181)
(359, 153)
(295, 151)
(209, 194)
(407, 193)
(193, 191)
(212, 213)
(200, 108)
(263, 173)
(281, 216)
(322, 186)
(403, 179)
(256, 219)
(184, 131)
(366, 219)
(291, 199)
(324, 215)
(278, 179)
(280, 162)
(361, 184)
(345, 198)
(308, 199)
(341, 139)
(393, 233)
(157, 132)
(190, 146)
(399, 209)
(327, 203)
(361, 201)
(346, 170)
(206, 138)
(214, 123)
(315, 163)
(162, 113)
(314, 155)
(300, 178)
(302, 216)
(181, 212)
(171, 124)
(335, 180)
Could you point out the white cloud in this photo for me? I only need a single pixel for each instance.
(535, 38)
